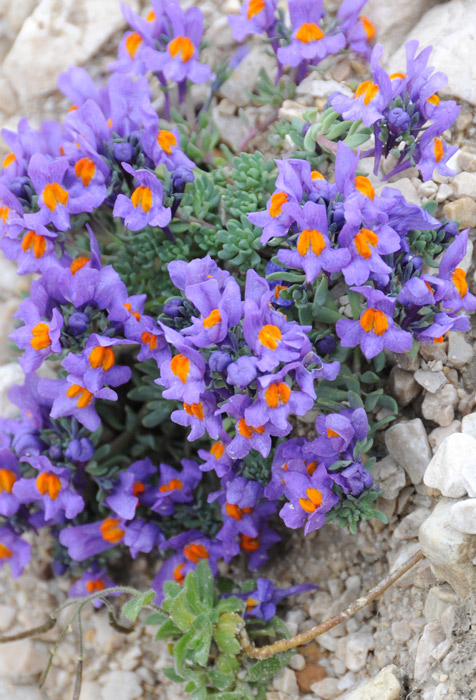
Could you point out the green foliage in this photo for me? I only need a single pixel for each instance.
(350, 510)
(334, 128)
(205, 632)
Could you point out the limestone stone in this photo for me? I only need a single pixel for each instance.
(464, 516)
(286, 682)
(7, 617)
(463, 211)
(450, 28)
(10, 374)
(445, 191)
(402, 386)
(244, 78)
(436, 437)
(467, 160)
(327, 689)
(58, 34)
(449, 551)
(437, 600)
(22, 660)
(120, 685)
(17, 13)
(392, 28)
(407, 444)
(390, 477)
(357, 648)
(439, 407)
(432, 636)
(22, 692)
(468, 425)
(407, 529)
(464, 184)
(453, 468)
(430, 381)
(315, 86)
(384, 686)
(460, 352)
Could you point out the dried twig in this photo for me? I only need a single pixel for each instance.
(307, 636)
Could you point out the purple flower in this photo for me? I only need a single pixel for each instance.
(308, 41)
(50, 489)
(53, 199)
(338, 433)
(163, 146)
(175, 487)
(442, 324)
(11, 213)
(310, 499)
(217, 458)
(179, 61)
(145, 206)
(375, 330)
(14, 551)
(35, 251)
(456, 295)
(248, 437)
(151, 338)
(185, 274)
(128, 492)
(257, 547)
(366, 246)
(9, 475)
(242, 372)
(220, 310)
(371, 97)
(93, 581)
(255, 17)
(200, 417)
(97, 363)
(142, 536)
(433, 149)
(85, 541)
(314, 251)
(71, 398)
(183, 375)
(262, 602)
(353, 479)
(39, 338)
(80, 450)
(359, 30)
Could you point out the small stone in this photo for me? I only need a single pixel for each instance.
(432, 636)
(426, 190)
(449, 551)
(430, 381)
(402, 386)
(463, 211)
(285, 682)
(467, 159)
(244, 77)
(407, 444)
(460, 352)
(452, 468)
(437, 600)
(356, 649)
(22, 660)
(7, 617)
(297, 662)
(434, 351)
(436, 437)
(389, 476)
(445, 191)
(327, 689)
(464, 184)
(439, 407)
(468, 425)
(10, 374)
(316, 86)
(401, 631)
(291, 110)
(464, 516)
(15, 692)
(441, 650)
(384, 686)
(120, 685)
(407, 529)
(90, 690)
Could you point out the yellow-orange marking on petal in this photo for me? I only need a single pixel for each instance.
(95, 586)
(172, 485)
(166, 140)
(194, 552)
(438, 149)
(4, 213)
(7, 479)
(364, 241)
(332, 433)
(183, 45)
(310, 239)
(374, 320)
(249, 544)
(54, 194)
(151, 16)
(368, 90)
(102, 357)
(434, 100)
(276, 394)
(136, 314)
(142, 196)
(180, 366)
(133, 41)
(277, 289)
(313, 500)
(316, 175)
(194, 409)
(368, 27)
(254, 8)
(212, 319)
(309, 31)
(138, 488)
(270, 336)
(77, 264)
(311, 468)
(9, 159)
(178, 574)
(233, 511)
(48, 484)
(110, 530)
(277, 201)
(84, 396)
(364, 186)
(250, 604)
(85, 170)
(35, 241)
(5, 553)
(393, 76)
(40, 336)
(459, 281)
(149, 339)
(217, 449)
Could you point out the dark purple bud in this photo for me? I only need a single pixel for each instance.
(123, 152)
(338, 214)
(55, 452)
(219, 361)
(17, 187)
(327, 345)
(78, 323)
(173, 307)
(81, 450)
(415, 260)
(180, 178)
(26, 442)
(398, 119)
(451, 229)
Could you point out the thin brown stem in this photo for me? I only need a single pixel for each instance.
(45, 627)
(78, 678)
(307, 636)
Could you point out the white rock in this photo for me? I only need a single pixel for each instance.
(468, 425)
(15, 692)
(286, 682)
(463, 211)
(244, 78)
(315, 86)
(384, 686)
(450, 28)
(357, 647)
(436, 437)
(22, 660)
(451, 469)
(58, 34)
(326, 689)
(464, 185)
(401, 631)
(467, 160)
(389, 476)
(439, 407)
(445, 191)
(297, 662)
(7, 616)
(17, 13)
(432, 636)
(449, 551)
(460, 352)
(431, 381)
(464, 516)
(10, 374)
(120, 685)
(407, 529)
(392, 27)
(407, 444)
(437, 600)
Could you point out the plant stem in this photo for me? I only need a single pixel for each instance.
(257, 130)
(307, 636)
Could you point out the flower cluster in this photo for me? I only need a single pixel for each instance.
(406, 113)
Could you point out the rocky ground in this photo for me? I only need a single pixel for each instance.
(418, 640)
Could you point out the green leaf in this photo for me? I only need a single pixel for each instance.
(155, 619)
(203, 639)
(369, 377)
(168, 630)
(320, 294)
(227, 642)
(205, 583)
(265, 669)
(231, 604)
(285, 277)
(221, 681)
(132, 608)
(172, 675)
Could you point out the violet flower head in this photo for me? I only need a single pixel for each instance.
(175, 486)
(145, 206)
(456, 295)
(71, 398)
(366, 247)
(255, 17)
(220, 310)
(53, 199)
(338, 433)
(38, 337)
(358, 29)
(200, 417)
(310, 498)
(376, 329)
(262, 602)
(163, 146)
(185, 274)
(9, 475)
(308, 41)
(128, 491)
(85, 541)
(93, 581)
(142, 536)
